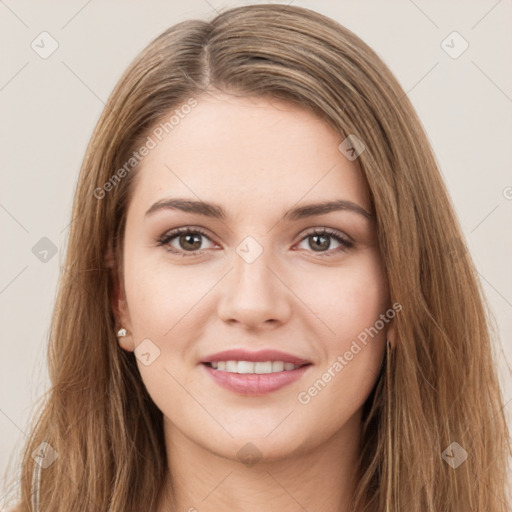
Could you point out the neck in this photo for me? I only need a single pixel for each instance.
(322, 479)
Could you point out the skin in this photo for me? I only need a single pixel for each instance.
(257, 159)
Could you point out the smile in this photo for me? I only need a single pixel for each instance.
(254, 378)
(253, 367)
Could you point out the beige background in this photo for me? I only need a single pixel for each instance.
(50, 106)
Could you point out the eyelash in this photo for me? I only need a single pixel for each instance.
(165, 239)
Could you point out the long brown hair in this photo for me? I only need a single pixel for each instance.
(441, 385)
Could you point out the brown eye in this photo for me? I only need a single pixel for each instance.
(190, 242)
(320, 241)
(183, 241)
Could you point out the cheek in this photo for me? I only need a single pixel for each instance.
(161, 303)
(351, 299)
(159, 295)
(147, 298)
(351, 306)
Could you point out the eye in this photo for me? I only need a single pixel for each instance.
(320, 241)
(188, 240)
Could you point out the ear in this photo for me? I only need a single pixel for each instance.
(118, 301)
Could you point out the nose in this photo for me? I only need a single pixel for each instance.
(255, 294)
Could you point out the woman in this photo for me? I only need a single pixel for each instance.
(262, 307)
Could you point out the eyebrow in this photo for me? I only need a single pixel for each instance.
(216, 211)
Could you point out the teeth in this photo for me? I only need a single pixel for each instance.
(278, 366)
(253, 367)
(232, 366)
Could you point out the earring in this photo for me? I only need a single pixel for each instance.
(121, 333)
(386, 354)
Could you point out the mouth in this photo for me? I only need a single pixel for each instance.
(254, 373)
(252, 367)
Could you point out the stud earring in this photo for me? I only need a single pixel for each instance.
(121, 333)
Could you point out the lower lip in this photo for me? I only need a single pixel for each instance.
(255, 383)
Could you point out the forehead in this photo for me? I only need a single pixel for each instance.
(248, 151)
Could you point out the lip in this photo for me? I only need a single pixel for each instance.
(259, 356)
(255, 384)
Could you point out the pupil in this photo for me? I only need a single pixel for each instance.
(188, 239)
(325, 245)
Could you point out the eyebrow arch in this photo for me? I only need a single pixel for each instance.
(216, 211)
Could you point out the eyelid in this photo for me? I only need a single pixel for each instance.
(171, 234)
(329, 231)
(346, 242)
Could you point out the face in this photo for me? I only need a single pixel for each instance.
(255, 271)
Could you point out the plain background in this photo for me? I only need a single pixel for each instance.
(50, 106)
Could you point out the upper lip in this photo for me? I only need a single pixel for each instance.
(259, 356)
